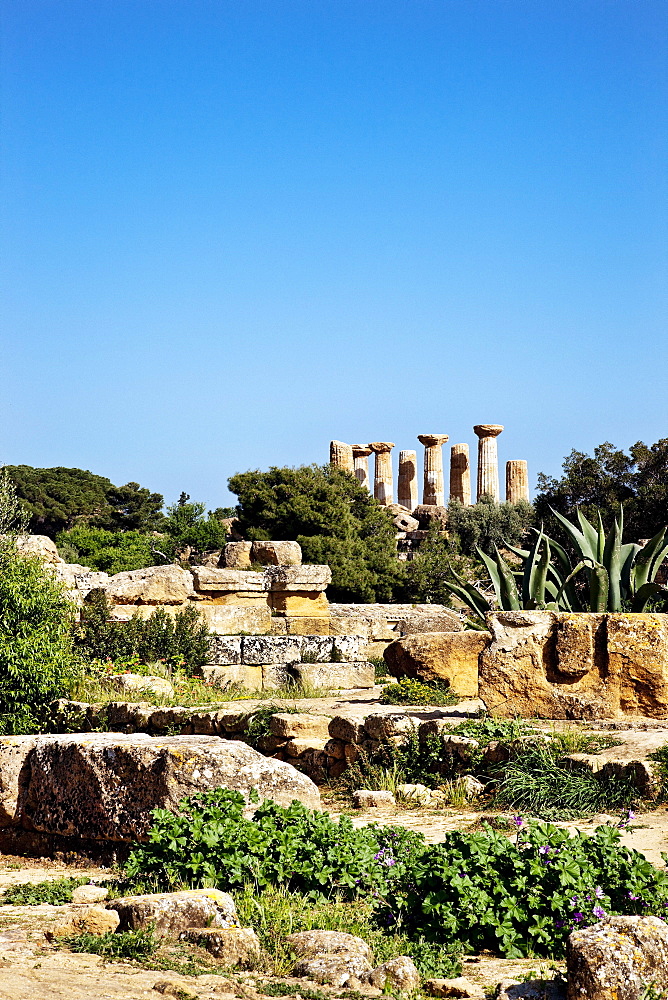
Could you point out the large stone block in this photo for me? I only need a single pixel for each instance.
(153, 585)
(309, 578)
(638, 658)
(103, 786)
(336, 676)
(288, 725)
(271, 649)
(276, 553)
(238, 555)
(209, 579)
(233, 620)
(38, 545)
(317, 648)
(348, 647)
(307, 625)
(444, 656)
(240, 675)
(446, 621)
(299, 605)
(224, 649)
(617, 958)
(171, 913)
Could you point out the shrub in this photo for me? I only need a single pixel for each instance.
(57, 892)
(522, 898)
(408, 691)
(115, 944)
(109, 551)
(210, 842)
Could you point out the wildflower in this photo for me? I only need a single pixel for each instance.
(518, 821)
(599, 892)
(578, 917)
(631, 896)
(599, 912)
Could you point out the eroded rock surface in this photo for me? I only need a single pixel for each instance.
(446, 656)
(616, 958)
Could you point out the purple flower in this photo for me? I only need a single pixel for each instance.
(599, 912)
(578, 917)
(389, 862)
(518, 821)
(599, 892)
(544, 849)
(631, 896)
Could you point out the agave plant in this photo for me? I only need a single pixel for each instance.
(615, 572)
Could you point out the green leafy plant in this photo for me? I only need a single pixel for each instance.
(57, 891)
(132, 945)
(660, 758)
(409, 691)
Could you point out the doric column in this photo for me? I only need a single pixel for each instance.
(361, 454)
(460, 474)
(433, 493)
(488, 462)
(382, 480)
(517, 481)
(407, 487)
(341, 455)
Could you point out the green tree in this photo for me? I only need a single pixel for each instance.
(487, 524)
(334, 519)
(427, 574)
(110, 551)
(35, 627)
(638, 479)
(58, 499)
(189, 525)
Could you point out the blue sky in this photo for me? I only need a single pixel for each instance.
(234, 230)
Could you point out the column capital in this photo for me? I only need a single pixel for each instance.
(381, 447)
(432, 440)
(361, 450)
(487, 430)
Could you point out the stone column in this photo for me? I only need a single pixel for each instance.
(407, 487)
(361, 454)
(460, 474)
(341, 455)
(382, 481)
(433, 493)
(488, 462)
(517, 481)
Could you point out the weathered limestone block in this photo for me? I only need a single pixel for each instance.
(238, 555)
(431, 516)
(153, 585)
(277, 553)
(299, 605)
(289, 725)
(433, 493)
(524, 671)
(460, 474)
(39, 545)
(309, 944)
(130, 683)
(317, 648)
(616, 958)
(405, 522)
(347, 647)
(339, 970)
(89, 894)
(446, 656)
(271, 649)
(488, 461)
(382, 727)
(306, 625)
(309, 578)
(638, 657)
(79, 580)
(209, 579)
(382, 482)
(103, 786)
(399, 973)
(444, 621)
(341, 455)
(277, 675)
(361, 454)
(231, 619)
(460, 988)
(84, 920)
(347, 729)
(363, 798)
(171, 913)
(341, 676)
(299, 745)
(407, 485)
(233, 946)
(14, 774)
(241, 675)
(224, 650)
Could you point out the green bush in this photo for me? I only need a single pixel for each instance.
(36, 660)
(408, 691)
(522, 898)
(180, 640)
(487, 524)
(56, 891)
(109, 551)
(210, 842)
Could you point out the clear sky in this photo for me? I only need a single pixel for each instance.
(235, 229)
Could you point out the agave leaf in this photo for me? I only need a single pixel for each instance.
(540, 575)
(612, 561)
(578, 539)
(493, 571)
(510, 598)
(658, 559)
(522, 553)
(627, 555)
(528, 575)
(591, 534)
(478, 605)
(599, 586)
(640, 571)
(570, 597)
(580, 566)
(640, 600)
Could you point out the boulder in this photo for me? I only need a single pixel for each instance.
(85, 920)
(617, 957)
(307, 578)
(234, 946)
(445, 656)
(130, 683)
(171, 913)
(575, 666)
(276, 553)
(89, 893)
(364, 798)
(238, 555)
(153, 585)
(210, 579)
(399, 973)
(461, 988)
(336, 676)
(287, 725)
(309, 944)
(103, 786)
(41, 546)
(339, 970)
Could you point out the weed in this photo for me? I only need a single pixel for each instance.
(487, 729)
(55, 891)
(379, 667)
(291, 990)
(409, 691)
(652, 992)
(660, 756)
(436, 960)
(115, 944)
(565, 741)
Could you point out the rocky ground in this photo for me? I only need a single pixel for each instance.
(32, 968)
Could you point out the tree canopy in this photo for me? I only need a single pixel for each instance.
(59, 499)
(637, 478)
(334, 519)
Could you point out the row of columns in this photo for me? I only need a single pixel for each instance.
(355, 459)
